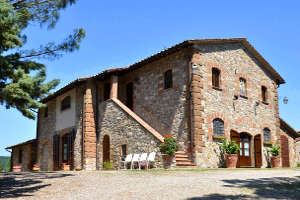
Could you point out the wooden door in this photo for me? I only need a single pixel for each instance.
(245, 153)
(285, 154)
(236, 137)
(258, 152)
(106, 149)
(129, 95)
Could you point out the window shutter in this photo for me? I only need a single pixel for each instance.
(70, 141)
(56, 152)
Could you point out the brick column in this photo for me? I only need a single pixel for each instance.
(89, 128)
(197, 107)
(114, 87)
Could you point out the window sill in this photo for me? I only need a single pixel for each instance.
(244, 97)
(268, 143)
(219, 137)
(217, 88)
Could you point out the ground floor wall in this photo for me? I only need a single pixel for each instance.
(119, 128)
(212, 155)
(27, 154)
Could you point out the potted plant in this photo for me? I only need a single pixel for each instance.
(17, 168)
(231, 149)
(108, 166)
(35, 168)
(275, 158)
(65, 166)
(168, 149)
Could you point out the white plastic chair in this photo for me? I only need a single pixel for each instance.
(143, 159)
(128, 159)
(151, 158)
(135, 159)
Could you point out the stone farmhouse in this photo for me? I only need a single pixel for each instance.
(200, 91)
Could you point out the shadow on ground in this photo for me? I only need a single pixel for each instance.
(14, 185)
(261, 188)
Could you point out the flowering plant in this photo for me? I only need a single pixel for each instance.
(35, 165)
(169, 146)
(65, 163)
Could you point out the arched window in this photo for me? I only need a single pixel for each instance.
(267, 135)
(218, 126)
(264, 94)
(168, 79)
(243, 87)
(65, 103)
(216, 77)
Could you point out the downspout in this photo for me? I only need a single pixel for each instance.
(190, 108)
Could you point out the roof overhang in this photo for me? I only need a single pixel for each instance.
(168, 51)
(33, 141)
(291, 131)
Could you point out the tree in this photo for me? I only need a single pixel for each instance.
(22, 78)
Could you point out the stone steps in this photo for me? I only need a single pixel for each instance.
(183, 161)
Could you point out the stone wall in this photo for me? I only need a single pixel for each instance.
(46, 130)
(123, 129)
(165, 110)
(26, 158)
(241, 115)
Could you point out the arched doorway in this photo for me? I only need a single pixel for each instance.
(106, 149)
(257, 151)
(244, 141)
(285, 154)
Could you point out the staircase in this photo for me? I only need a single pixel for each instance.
(183, 161)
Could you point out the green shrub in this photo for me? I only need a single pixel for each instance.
(169, 146)
(274, 150)
(108, 165)
(230, 147)
(298, 164)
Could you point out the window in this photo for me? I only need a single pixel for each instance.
(46, 112)
(123, 150)
(267, 135)
(65, 103)
(106, 94)
(264, 93)
(243, 87)
(168, 79)
(216, 78)
(20, 156)
(218, 127)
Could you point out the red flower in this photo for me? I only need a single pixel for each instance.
(169, 136)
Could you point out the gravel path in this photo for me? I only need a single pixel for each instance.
(154, 184)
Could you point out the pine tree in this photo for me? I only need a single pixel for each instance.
(22, 78)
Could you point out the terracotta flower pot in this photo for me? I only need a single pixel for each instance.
(66, 167)
(17, 168)
(231, 160)
(275, 161)
(168, 161)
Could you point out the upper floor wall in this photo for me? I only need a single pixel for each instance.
(238, 99)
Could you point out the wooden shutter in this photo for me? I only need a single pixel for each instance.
(56, 152)
(70, 141)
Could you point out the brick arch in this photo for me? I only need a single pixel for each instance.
(210, 119)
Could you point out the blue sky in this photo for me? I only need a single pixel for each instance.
(120, 33)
